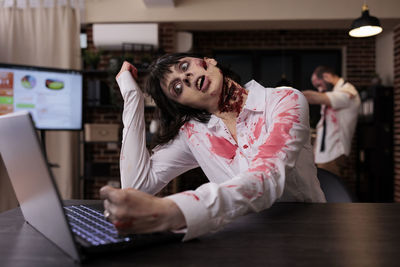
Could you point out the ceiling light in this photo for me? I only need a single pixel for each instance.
(365, 25)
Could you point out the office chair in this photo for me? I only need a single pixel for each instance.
(333, 188)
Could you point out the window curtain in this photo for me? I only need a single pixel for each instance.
(44, 33)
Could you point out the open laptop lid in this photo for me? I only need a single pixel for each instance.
(33, 182)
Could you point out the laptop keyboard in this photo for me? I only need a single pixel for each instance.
(90, 225)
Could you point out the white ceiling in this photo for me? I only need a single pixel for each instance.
(242, 14)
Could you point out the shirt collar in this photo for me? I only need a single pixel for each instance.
(213, 121)
(255, 101)
(256, 98)
(339, 84)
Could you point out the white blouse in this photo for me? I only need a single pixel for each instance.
(272, 159)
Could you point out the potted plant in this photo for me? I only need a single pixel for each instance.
(91, 58)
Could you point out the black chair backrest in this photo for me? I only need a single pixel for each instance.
(333, 187)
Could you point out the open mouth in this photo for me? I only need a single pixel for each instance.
(200, 82)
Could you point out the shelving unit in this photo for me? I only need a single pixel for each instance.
(103, 104)
(100, 157)
(375, 178)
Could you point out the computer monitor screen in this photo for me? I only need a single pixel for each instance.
(52, 96)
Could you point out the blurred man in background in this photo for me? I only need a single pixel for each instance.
(340, 103)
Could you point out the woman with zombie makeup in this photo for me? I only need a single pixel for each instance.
(252, 142)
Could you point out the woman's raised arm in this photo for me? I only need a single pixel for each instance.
(138, 169)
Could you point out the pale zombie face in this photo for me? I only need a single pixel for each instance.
(321, 84)
(194, 82)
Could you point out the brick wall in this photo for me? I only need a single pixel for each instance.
(167, 37)
(360, 53)
(360, 56)
(397, 113)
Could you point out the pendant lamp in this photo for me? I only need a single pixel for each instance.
(365, 25)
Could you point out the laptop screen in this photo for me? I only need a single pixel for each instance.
(32, 180)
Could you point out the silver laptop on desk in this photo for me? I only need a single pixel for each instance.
(40, 202)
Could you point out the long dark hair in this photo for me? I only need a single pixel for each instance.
(172, 115)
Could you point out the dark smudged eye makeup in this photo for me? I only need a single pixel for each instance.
(184, 66)
(177, 88)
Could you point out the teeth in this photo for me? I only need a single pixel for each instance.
(200, 82)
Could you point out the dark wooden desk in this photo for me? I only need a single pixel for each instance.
(288, 234)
